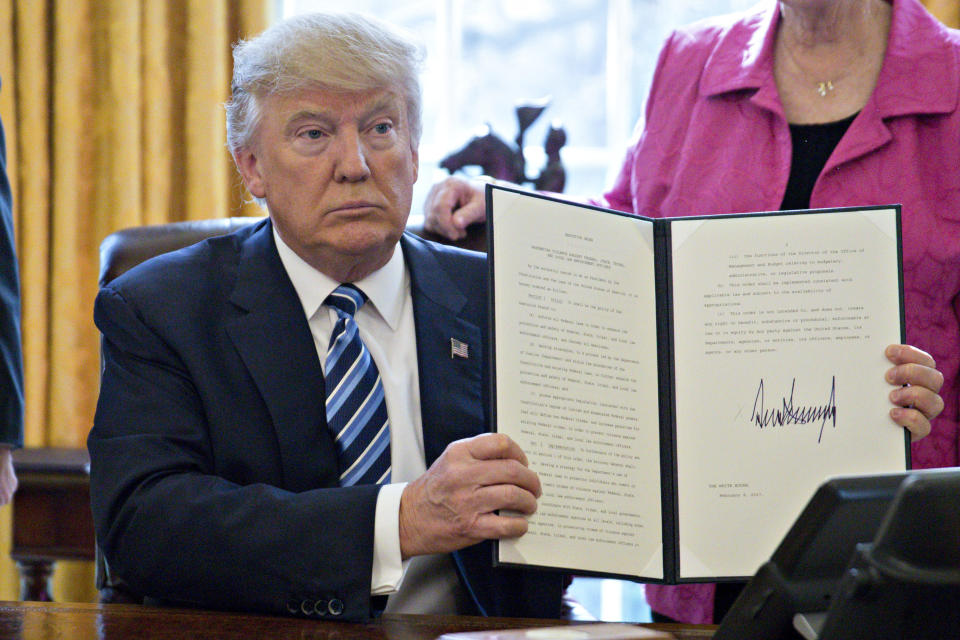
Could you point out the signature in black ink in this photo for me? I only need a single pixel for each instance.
(791, 414)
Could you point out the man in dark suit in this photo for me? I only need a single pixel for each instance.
(216, 476)
(11, 358)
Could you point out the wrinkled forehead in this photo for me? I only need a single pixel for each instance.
(338, 101)
(333, 105)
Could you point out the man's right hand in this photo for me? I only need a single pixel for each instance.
(452, 205)
(453, 505)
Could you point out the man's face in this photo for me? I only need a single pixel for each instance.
(337, 172)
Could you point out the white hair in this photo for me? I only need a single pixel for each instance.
(339, 52)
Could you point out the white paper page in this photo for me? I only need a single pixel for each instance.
(781, 324)
(576, 368)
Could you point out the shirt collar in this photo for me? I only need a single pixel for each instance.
(384, 287)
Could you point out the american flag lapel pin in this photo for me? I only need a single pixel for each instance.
(459, 349)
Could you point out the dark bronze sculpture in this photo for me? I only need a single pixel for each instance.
(499, 159)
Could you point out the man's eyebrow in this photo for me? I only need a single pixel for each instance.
(387, 102)
(308, 114)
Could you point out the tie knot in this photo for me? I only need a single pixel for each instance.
(346, 298)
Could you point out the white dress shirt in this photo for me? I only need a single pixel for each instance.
(387, 329)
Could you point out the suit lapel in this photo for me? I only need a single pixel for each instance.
(451, 388)
(275, 344)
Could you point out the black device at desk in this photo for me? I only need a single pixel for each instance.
(869, 557)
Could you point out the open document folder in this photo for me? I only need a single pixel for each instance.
(682, 386)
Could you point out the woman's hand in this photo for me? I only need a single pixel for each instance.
(918, 383)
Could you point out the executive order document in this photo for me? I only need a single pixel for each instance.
(771, 328)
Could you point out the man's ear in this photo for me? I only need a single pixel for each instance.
(249, 167)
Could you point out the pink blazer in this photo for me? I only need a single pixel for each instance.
(715, 140)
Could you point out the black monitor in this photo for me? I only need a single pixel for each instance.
(869, 557)
(906, 583)
(803, 572)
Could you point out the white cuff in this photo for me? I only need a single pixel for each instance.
(388, 567)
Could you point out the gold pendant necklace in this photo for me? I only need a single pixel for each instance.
(824, 87)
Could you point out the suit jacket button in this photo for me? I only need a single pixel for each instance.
(306, 608)
(320, 606)
(335, 606)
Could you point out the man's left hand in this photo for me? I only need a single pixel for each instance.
(455, 503)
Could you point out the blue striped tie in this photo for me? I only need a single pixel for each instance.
(356, 409)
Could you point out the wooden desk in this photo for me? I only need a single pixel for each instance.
(35, 620)
(51, 515)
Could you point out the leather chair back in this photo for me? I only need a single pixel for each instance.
(475, 240)
(124, 249)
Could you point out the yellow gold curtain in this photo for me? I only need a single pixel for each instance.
(113, 114)
(948, 11)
